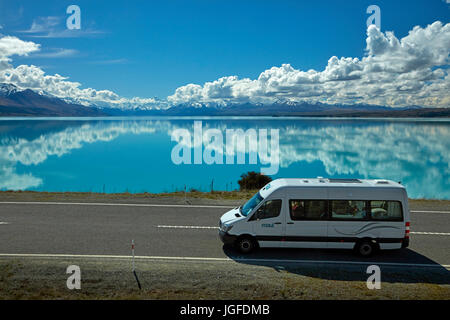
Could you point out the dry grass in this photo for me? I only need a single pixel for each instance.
(33, 278)
(174, 197)
(214, 195)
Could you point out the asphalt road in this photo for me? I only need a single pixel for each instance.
(109, 229)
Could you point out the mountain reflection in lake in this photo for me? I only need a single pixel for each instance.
(134, 154)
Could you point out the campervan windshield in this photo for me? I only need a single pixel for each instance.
(251, 204)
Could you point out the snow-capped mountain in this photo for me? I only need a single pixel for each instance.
(18, 102)
(7, 89)
(15, 101)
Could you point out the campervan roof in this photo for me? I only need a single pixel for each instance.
(325, 182)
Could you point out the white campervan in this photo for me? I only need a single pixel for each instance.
(364, 215)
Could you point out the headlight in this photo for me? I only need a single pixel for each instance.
(226, 227)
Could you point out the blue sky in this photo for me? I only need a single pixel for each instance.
(150, 48)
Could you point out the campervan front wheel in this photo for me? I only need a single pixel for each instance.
(365, 248)
(246, 244)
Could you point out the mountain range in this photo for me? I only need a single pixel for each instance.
(17, 102)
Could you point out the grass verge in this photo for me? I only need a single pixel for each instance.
(39, 278)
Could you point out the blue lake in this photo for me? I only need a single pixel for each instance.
(135, 154)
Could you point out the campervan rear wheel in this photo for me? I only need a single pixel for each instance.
(246, 244)
(365, 248)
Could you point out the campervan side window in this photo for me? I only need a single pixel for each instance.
(308, 209)
(348, 210)
(269, 209)
(386, 210)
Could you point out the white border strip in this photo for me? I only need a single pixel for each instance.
(393, 264)
(425, 211)
(209, 227)
(432, 233)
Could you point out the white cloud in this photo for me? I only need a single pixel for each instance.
(10, 46)
(43, 24)
(66, 33)
(395, 72)
(412, 70)
(54, 27)
(57, 53)
(111, 61)
(33, 77)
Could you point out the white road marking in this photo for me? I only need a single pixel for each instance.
(432, 233)
(1, 222)
(393, 264)
(117, 204)
(151, 205)
(186, 227)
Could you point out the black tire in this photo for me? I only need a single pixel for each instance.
(365, 248)
(246, 244)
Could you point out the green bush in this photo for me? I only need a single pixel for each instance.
(253, 180)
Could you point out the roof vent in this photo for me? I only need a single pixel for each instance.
(345, 181)
(305, 181)
(382, 182)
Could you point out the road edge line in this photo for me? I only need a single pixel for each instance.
(394, 264)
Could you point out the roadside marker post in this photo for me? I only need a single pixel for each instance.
(132, 253)
(133, 265)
